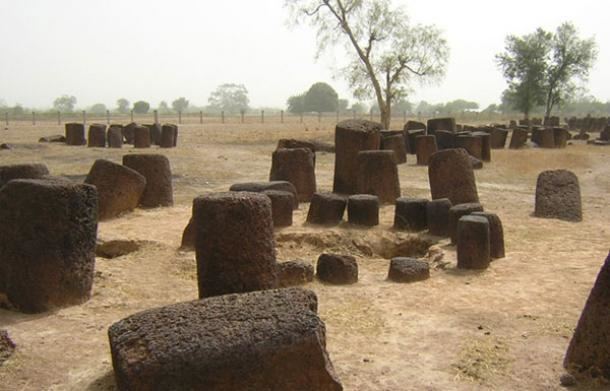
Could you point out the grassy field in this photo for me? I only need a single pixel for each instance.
(505, 328)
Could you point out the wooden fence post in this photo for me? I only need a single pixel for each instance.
(131, 115)
(33, 118)
(84, 118)
(262, 116)
(156, 116)
(201, 116)
(222, 116)
(58, 117)
(242, 113)
(179, 116)
(282, 116)
(319, 116)
(6, 118)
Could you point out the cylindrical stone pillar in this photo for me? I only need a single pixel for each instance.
(167, 136)
(472, 145)
(326, 209)
(47, 252)
(496, 234)
(377, 174)
(451, 176)
(155, 133)
(473, 243)
(129, 131)
(234, 243)
(410, 214)
(297, 167)
(437, 216)
(518, 138)
(115, 136)
(395, 143)
(351, 137)
(157, 171)
(485, 145)
(141, 137)
(425, 146)
(363, 209)
(281, 207)
(458, 211)
(97, 136)
(75, 134)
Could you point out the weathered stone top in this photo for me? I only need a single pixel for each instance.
(360, 125)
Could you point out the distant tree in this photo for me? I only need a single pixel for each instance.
(141, 107)
(426, 108)
(386, 52)
(180, 104)
(229, 97)
(296, 104)
(122, 106)
(403, 106)
(571, 57)
(343, 105)
(524, 65)
(163, 108)
(320, 98)
(18, 110)
(359, 108)
(64, 103)
(98, 108)
(459, 105)
(491, 109)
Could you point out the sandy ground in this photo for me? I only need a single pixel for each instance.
(506, 328)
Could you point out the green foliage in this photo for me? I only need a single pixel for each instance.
(296, 104)
(98, 108)
(343, 105)
(359, 108)
(180, 104)
(540, 67)
(163, 108)
(320, 98)
(64, 103)
(141, 107)
(228, 97)
(122, 106)
(387, 53)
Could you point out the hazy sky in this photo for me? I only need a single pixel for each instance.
(155, 50)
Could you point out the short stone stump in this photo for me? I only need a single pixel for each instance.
(472, 144)
(155, 133)
(188, 236)
(558, 196)
(119, 188)
(363, 209)
(410, 214)
(252, 341)
(22, 171)
(293, 273)
(378, 175)
(326, 209)
(168, 136)
(129, 132)
(282, 205)
(157, 171)
(47, 252)
(498, 138)
(473, 243)
(404, 269)
(337, 269)
(234, 243)
(437, 216)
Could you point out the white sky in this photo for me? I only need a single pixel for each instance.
(156, 50)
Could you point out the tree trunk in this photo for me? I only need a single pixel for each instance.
(385, 115)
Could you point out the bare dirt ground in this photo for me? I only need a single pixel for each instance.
(506, 328)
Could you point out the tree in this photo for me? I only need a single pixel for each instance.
(343, 105)
(163, 108)
(180, 104)
(524, 65)
(458, 105)
(571, 58)
(98, 108)
(359, 108)
(296, 104)
(385, 51)
(426, 108)
(232, 98)
(122, 106)
(64, 103)
(141, 107)
(320, 98)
